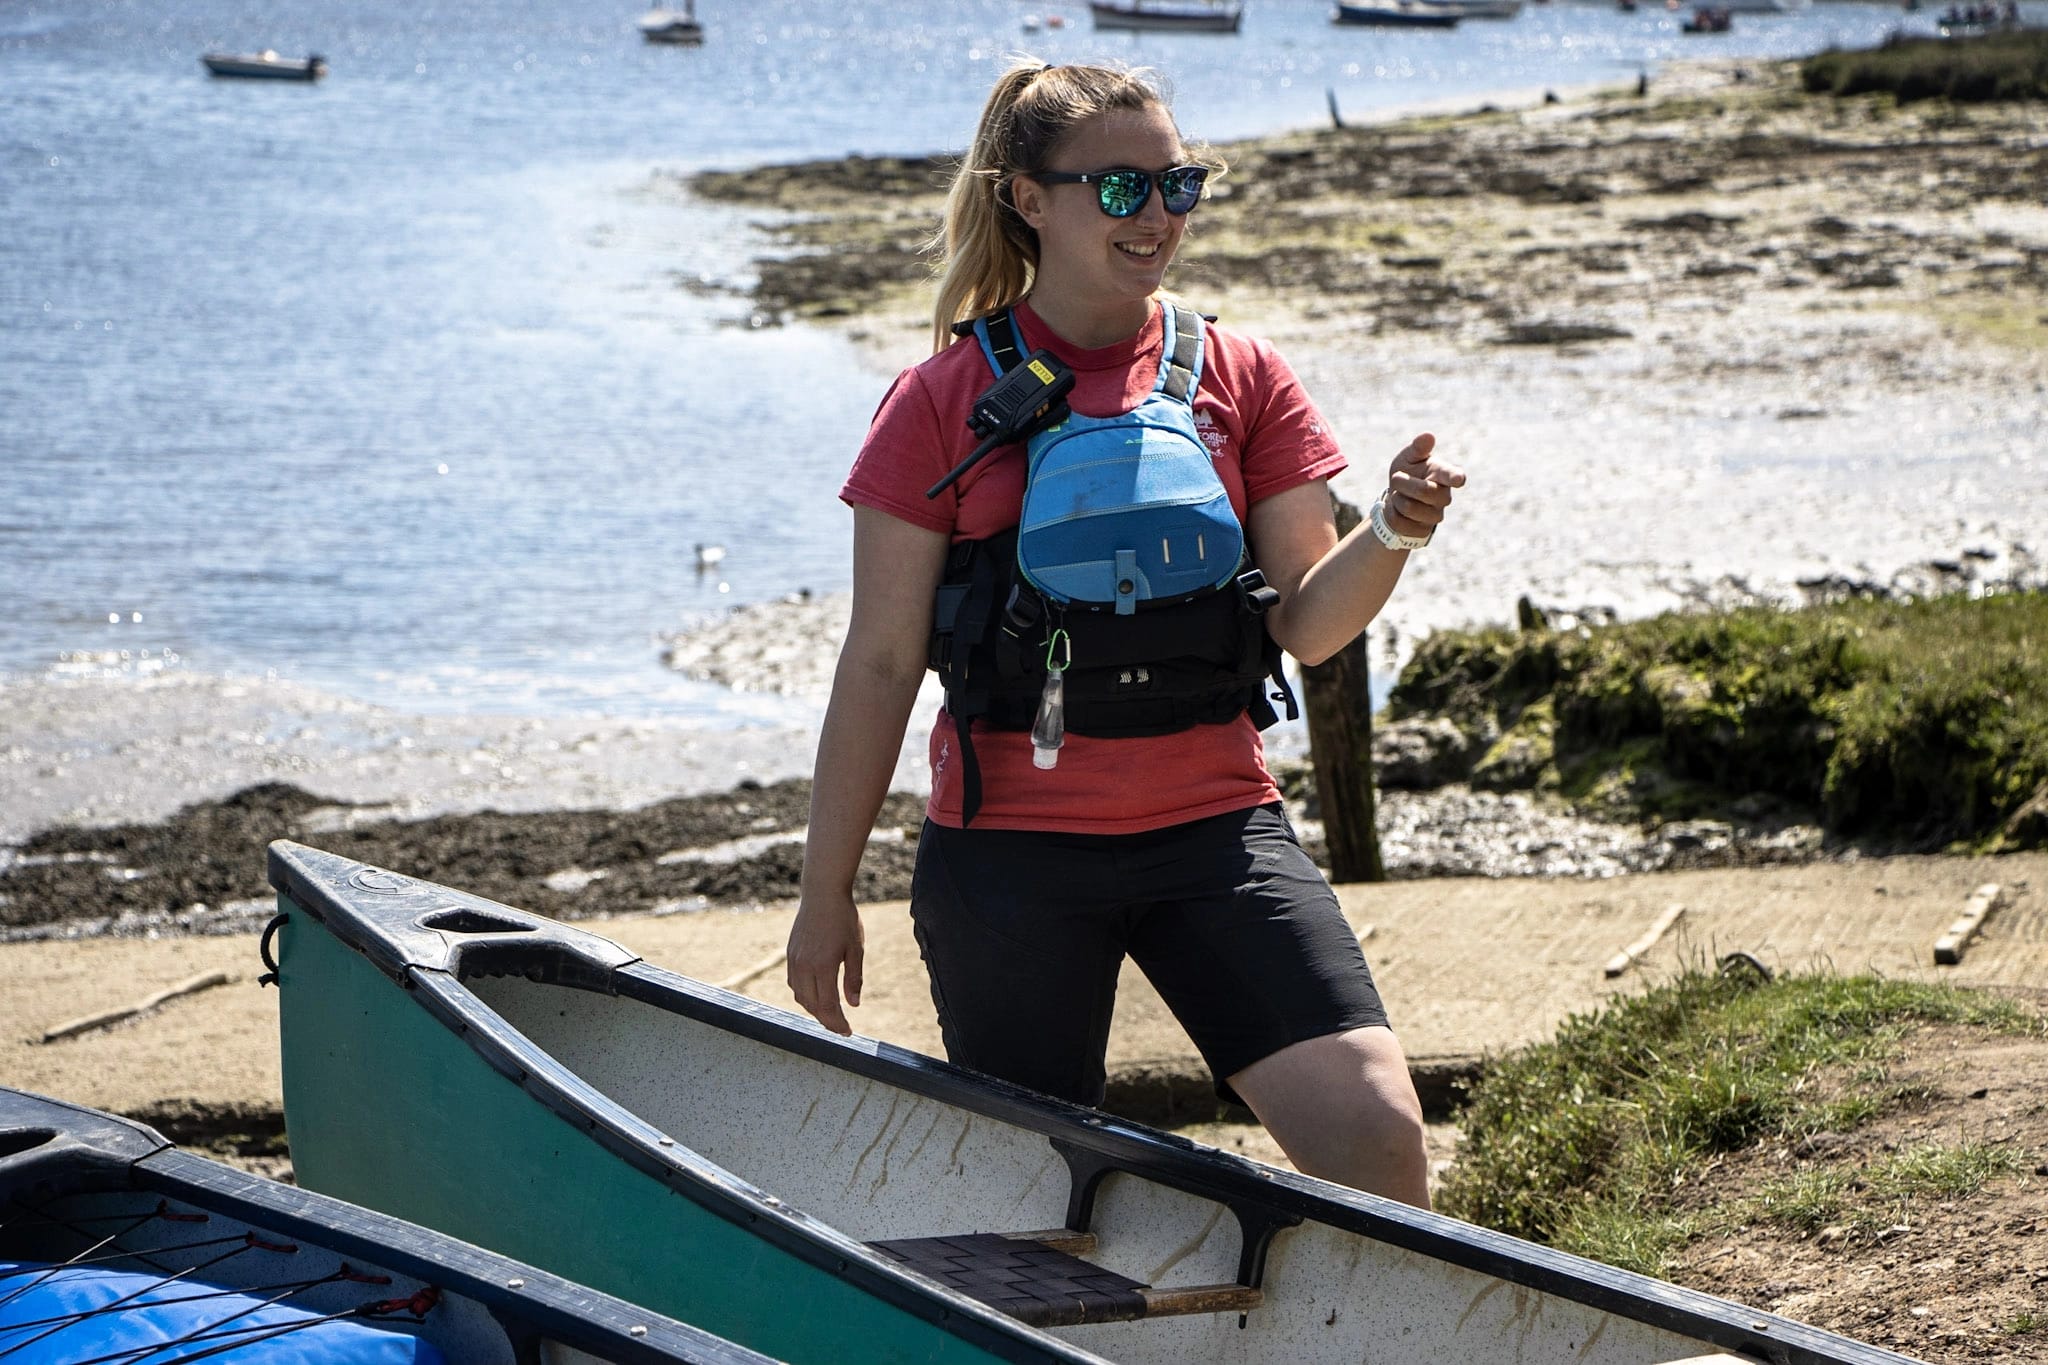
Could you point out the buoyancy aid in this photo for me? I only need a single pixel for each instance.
(1127, 568)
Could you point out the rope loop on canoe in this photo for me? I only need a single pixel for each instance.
(277, 922)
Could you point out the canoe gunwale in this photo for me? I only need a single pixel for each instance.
(385, 924)
(93, 1152)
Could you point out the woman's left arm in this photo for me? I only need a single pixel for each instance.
(1331, 589)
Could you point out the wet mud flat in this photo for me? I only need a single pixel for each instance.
(202, 868)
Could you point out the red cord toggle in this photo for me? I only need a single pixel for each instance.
(418, 1304)
(287, 1248)
(354, 1276)
(163, 1210)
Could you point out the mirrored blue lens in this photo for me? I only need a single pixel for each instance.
(1181, 188)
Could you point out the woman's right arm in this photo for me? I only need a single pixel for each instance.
(896, 571)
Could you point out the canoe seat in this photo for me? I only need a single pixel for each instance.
(1039, 1278)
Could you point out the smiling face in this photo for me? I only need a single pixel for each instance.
(1088, 262)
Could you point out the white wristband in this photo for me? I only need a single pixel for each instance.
(1389, 537)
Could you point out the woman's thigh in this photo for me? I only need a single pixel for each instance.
(1022, 946)
(1249, 946)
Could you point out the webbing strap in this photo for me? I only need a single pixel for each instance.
(1180, 354)
(998, 336)
(1180, 359)
(970, 771)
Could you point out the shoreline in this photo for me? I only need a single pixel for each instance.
(1792, 400)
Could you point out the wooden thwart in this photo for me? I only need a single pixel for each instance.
(1948, 949)
(1621, 961)
(204, 981)
(1039, 1278)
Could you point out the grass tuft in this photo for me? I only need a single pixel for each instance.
(1922, 722)
(1967, 69)
(1589, 1142)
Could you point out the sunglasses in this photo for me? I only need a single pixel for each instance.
(1122, 193)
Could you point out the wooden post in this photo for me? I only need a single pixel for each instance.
(1337, 697)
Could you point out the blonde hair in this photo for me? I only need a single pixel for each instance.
(989, 255)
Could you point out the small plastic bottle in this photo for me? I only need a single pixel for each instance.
(1049, 728)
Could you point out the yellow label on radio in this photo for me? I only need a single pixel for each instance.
(1038, 368)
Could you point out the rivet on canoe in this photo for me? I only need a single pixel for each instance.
(666, 1141)
(637, 1330)
(515, 1284)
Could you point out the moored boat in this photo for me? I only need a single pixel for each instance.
(658, 1137)
(1169, 16)
(1489, 9)
(116, 1246)
(1398, 14)
(680, 27)
(266, 65)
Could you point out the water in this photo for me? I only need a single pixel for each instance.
(386, 384)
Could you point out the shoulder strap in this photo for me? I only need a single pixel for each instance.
(1180, 354)
(997, 334)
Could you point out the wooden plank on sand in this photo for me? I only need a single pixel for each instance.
(754, 973)
(204, 981)
(1620, 962)
(1948, 949)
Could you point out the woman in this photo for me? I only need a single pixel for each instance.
(1034, 879)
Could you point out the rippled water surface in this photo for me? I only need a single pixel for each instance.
(386, 383)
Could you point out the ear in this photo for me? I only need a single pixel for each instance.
(1027, 196)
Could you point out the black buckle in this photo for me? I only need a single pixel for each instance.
(1257, 595)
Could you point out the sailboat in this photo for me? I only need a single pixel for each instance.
(664, 25)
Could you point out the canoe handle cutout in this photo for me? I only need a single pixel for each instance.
(465, 921)
(15, 1141)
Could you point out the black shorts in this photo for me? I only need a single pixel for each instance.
(1023, 933)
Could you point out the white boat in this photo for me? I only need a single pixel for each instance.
(1172, 16)
(663, 25)
(1398, 14)
(266, 64)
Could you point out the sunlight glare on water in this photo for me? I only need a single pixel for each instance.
(392, 383)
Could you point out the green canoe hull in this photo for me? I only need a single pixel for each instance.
(457, 1146)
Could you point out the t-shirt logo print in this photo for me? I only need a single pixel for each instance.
(1213, 436)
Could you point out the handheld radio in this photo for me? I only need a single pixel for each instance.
(1023, 402)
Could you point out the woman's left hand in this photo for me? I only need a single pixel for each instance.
(1419, 487)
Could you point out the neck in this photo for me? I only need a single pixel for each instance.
(1089, 324)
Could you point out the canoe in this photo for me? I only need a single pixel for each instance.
(538, 1089)
(208, 1261)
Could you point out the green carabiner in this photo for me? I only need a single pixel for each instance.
(1061, 642)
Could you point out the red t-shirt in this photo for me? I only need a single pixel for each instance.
(1265, 437)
